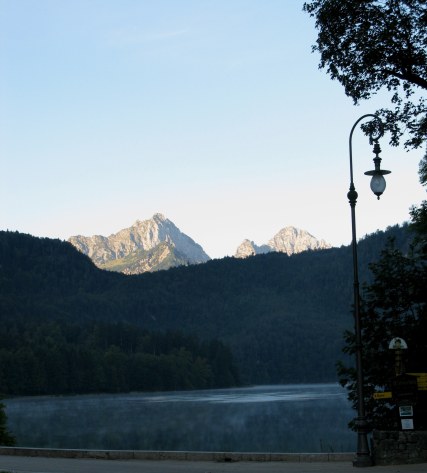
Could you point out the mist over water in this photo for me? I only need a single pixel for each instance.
(284, 418)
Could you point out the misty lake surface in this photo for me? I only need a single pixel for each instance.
(283, 418)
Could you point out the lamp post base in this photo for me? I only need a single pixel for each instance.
(363, 461)
(363, 457)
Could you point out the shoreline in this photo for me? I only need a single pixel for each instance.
(226, 457)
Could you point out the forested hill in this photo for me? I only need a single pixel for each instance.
(282, 316)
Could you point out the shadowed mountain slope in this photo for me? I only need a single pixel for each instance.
(283, 316)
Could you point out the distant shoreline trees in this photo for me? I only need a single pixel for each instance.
(57, 358)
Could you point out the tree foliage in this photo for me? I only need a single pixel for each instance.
(6, 438)
(62, 358)
(369, 45)
(395, 305)
(423, 170)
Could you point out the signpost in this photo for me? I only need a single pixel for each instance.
(408, 391)
(383, 395)
(398, 345)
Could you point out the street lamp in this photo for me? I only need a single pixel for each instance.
(378, 184)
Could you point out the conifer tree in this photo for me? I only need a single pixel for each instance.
(6, 438)
(394, 305)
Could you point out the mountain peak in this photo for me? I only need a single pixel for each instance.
(292, 240)
(144, 239)
(289, 240)
(158, 217)
(249, 248)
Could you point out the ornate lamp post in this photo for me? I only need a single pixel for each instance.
(378, 185)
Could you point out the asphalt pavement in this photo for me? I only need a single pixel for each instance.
(22, 464)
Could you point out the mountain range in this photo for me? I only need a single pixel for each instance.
(289, 240)
(146, 246)
(157, 243)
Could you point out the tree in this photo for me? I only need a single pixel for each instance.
(395, 305)
(419, 214)
(6, 438)
(368, 45)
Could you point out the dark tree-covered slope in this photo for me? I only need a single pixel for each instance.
(282, 316)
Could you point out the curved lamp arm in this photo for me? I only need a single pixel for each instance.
(372, 138)
(378, 183)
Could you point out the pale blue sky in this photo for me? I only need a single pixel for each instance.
(213, 113)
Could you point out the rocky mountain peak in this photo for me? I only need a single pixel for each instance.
(249, 248)
(245, 249)
(288, 240)
(292, 240)
(139, 240)
(158, 217)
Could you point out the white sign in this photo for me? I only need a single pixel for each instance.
(407, 424)
(406, 411)
(398, 344)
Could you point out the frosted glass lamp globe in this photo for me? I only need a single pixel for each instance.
(378, 184)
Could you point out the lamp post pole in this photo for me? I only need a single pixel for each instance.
(363, 457)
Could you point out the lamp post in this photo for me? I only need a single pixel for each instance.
(378, 184)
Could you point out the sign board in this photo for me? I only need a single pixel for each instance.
(383, 395)
(406, 411)
(398, 344)
(405, 388)
(421, 380)
(407, 424)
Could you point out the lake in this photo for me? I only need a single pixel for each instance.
(283, 418)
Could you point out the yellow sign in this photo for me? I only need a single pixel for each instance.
(421, 380)
(383, 395)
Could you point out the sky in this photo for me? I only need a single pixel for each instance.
(213, 113)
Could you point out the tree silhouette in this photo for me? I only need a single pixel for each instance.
(6, 438)
(371, 45)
